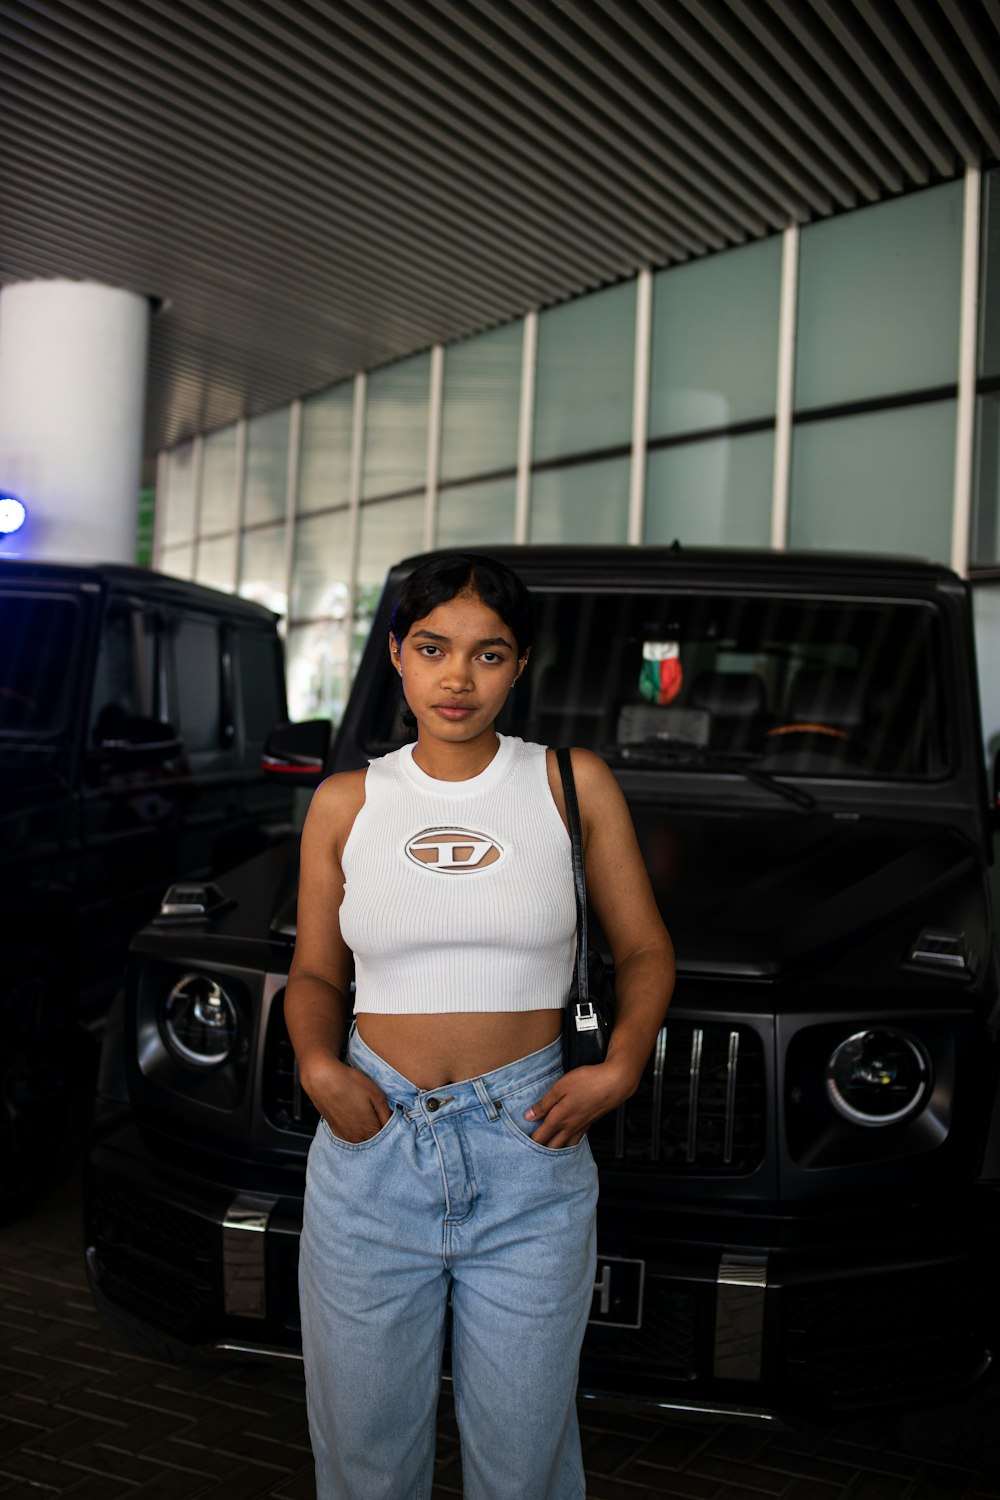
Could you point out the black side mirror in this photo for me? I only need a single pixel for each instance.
(297, 752)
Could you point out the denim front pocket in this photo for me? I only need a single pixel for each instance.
(373, 1140)
(512, 1107)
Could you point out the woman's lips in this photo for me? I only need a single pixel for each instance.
(454, 710)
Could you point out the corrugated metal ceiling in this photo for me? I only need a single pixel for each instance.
(314, 188)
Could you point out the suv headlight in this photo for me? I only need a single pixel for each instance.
(198, 1022)
(878, 1077)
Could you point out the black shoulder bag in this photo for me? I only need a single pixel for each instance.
(591, 998)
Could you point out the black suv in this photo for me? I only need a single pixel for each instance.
(799, 1206)
(133, 713)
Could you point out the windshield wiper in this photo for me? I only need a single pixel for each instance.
(695, 758)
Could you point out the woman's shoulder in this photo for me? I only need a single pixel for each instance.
(589, 770)
(595, 784)
(337, 801)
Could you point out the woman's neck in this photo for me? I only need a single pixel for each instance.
(447, 760)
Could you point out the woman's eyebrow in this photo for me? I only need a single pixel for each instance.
(490, 640)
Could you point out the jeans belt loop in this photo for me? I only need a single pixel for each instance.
(482, 1094)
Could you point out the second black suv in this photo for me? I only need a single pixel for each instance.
(133, 713)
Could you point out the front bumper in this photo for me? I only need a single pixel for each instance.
(737, 1316)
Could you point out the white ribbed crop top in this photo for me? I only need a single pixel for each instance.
(458, 895)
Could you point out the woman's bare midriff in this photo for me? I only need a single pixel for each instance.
(433, 1050)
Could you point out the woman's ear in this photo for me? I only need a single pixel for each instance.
(523, 663)
(394, 656)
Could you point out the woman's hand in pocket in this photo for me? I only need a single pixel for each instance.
(351, 1103)
(575, 1101)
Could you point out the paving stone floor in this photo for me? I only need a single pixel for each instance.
(82, 1417)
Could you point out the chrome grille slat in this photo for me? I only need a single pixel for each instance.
(694, 1073)
(731, 1066)
(700, 1108)
(659, 1058)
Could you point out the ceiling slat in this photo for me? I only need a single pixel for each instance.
(320, 186)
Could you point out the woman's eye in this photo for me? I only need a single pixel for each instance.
(491, 658)
(429, 650)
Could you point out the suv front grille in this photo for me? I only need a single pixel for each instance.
(699, 1108)
(285, 1104)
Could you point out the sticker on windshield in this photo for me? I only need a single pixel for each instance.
(661, 677)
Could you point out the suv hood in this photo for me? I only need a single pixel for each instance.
(754, 897)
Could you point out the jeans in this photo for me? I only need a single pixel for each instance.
(452, 1197)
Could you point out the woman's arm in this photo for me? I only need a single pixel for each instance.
(619, 891)
(317, 996)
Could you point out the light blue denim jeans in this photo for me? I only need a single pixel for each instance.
(452, 1197)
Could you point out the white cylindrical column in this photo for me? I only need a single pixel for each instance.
(72, 399)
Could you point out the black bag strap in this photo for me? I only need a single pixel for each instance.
(579, 880)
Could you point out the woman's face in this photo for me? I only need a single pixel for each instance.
(457, 666)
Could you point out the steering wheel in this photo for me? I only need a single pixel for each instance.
(825, 729)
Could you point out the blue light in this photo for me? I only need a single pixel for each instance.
(12, 515)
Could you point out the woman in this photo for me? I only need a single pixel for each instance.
(451, 1158)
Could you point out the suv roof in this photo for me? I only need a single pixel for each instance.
(132, 579)
(744, 564)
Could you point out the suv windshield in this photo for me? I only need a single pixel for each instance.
(38, 635)
(820, 687)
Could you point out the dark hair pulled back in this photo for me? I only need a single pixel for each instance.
(451, 573)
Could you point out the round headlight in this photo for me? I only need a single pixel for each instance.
(878, 1077)
(200, 1023)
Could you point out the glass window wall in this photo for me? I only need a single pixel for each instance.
(711, 493)
(262, 568)
(985, 543)
(880, 482)
(470, 515)
(267, 467)
(714, 357)
(179, 501)
(481, 403)
(989, 297)
(581, 502)
(318, 670)
(878, 300)
(177, 561)
(396, 427)
(390, 531)
(583, 383)
(321, 571)
(325, 456)
(219, 508)
(216, 562)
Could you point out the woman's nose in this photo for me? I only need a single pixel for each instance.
(456, 674)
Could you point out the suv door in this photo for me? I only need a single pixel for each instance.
(259, 694)
(133, 794)
(203, 710)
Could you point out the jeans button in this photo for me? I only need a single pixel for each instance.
(433, 1104)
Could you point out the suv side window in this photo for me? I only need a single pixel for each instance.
(198, 684)
(40, 634)
(261, 692)
(126, 672)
